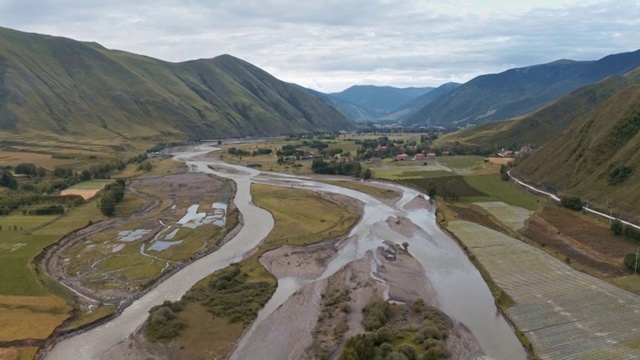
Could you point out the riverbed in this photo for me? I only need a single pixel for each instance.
(461, 291)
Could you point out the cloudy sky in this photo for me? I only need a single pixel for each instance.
(329, 45)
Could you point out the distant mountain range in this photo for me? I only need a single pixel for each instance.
(597, 157)
(546, 124)
(53, 85)
(370, 102)
(519, 91)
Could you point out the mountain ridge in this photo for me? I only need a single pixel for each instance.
(597, 157)
(63, 86)
(518, 91)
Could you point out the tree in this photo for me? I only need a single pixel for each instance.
(7, 180)
(617, 227)
(366, 174)
(85, 175)
(431, 190)
(630, 261)
(107, 204)
(26, 169)
(571, 202)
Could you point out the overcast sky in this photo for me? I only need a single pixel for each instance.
(330, 45)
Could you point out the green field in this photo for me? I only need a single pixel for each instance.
(462, 188)
(96, 184)
(302, 216)
(498, 190)
(461, 162)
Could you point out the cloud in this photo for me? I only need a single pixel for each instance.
(332, 44)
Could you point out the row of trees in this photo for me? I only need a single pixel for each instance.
(320, 166)
(627, 231)
(25, 201)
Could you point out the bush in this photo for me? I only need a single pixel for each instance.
(375, 314)
(571, 202)
(408, 351)
(617, 227)
(163, 323)
(26, 169)
(619, 174)
(630, 262)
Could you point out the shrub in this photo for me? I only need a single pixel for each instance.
(571, 202)
(630, 261)
(617, 227)
(619, 174)
(163, 323)
(408, 351)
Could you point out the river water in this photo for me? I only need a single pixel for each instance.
(461, 291)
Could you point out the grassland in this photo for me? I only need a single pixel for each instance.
(302, 216)
(29, 308)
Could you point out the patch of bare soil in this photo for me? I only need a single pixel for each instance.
(403, 226)
(135, 347)
(547, 236)
(419, 202)
(308, 262)
(9, 354)
(86, 194)
(406, 278)
(592, 235)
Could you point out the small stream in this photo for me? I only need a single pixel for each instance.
(461, 291)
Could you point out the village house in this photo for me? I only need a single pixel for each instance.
(431, 156)
(419, 156)
(402, 157)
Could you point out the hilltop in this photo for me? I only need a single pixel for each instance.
(58, 88)
(518, 91)
(545, 124)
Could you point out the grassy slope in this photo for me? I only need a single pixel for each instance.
(57, 88)
(519, 91)
(545, 124)
(579, 160)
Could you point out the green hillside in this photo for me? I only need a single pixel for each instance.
(58, 88)
(545, 124)
(518, 91)
(597, 157)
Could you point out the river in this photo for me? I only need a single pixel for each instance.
(461, 291)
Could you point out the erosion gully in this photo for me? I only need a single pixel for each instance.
(461, 291)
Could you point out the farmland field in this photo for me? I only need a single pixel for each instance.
(499, 190)
(592, 234)
(565, 247)
(444, 182)
(565, 313)
(512, 216)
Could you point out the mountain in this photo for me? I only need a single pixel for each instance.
(597, 157)
(416, 104)
(347, 108)
(519, 91)
(52, 85)
(369, 102)
(545, 124)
